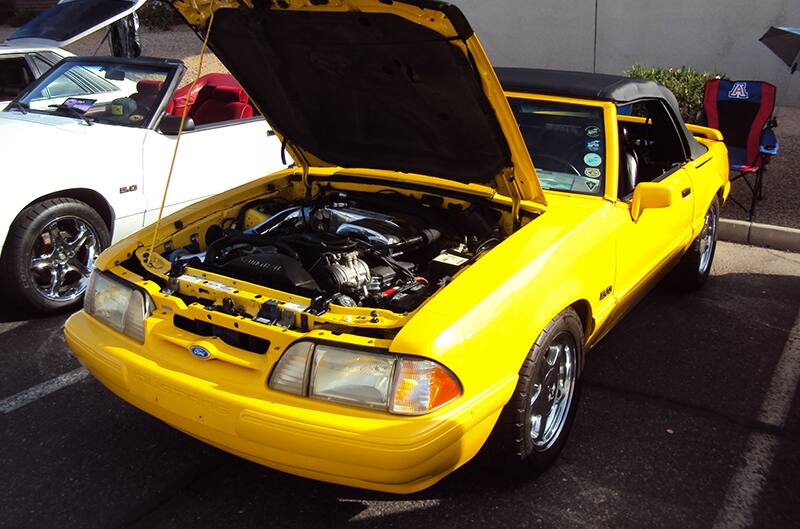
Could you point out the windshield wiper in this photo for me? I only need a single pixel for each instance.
(19, 105)
(74, 112)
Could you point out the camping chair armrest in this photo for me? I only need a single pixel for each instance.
(769, 142)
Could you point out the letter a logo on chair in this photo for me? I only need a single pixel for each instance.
(739, 91)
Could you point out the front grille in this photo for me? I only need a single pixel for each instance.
(240, 340)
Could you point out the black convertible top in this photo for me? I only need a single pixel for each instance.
(615, 88)
(605, 87)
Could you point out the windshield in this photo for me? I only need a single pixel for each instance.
(566, 142)
(117, 94)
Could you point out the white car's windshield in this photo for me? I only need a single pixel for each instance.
(119, 94)
(566, 143)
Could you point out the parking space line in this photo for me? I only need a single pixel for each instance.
(32, 394)
(748, 482)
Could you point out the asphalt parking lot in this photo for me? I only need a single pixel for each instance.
(689, 418)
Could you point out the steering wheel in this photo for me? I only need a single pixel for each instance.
(559, 161)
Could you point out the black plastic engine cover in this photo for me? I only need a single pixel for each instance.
(271, 269)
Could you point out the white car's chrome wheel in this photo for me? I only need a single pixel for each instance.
(62, 258)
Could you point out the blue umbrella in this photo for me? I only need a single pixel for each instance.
(785, 43)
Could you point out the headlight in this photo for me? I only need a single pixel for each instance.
(117, 305)
(398, 384)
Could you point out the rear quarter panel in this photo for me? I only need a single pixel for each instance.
(710, 177)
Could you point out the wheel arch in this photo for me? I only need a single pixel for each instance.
(584, 310)
(90, 197)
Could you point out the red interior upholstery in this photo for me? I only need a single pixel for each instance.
(147, 93)
(202, 90)
(222, 103)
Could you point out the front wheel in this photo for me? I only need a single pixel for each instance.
(694, 267)
(50, 252)
(534, 425)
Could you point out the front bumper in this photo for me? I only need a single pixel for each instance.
(321, 441)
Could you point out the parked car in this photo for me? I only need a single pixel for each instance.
(412, 291)
(87, 150)
(39, 44)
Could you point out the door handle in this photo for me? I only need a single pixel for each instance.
(686, 192)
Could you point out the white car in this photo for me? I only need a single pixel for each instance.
(86, 151)
(38, 45)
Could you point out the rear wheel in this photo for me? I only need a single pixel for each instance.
(694, 267)
(50, 252)
(534, 425)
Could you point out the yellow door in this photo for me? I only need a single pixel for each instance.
(651, 242)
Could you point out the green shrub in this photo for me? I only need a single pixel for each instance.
(686, 83)
(158, 16)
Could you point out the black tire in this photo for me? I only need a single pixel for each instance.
(694, 267)
(512, 447)
(28, 235)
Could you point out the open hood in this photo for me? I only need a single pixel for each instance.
(401, 85)
(71, 20)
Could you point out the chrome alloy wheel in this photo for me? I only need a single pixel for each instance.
(552, 390)
(707, 237)
(62, 258)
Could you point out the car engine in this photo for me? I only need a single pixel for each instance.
(381, 250)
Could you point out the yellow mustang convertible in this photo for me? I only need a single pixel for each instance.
(412, 289)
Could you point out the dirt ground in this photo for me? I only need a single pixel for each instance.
(781, 202)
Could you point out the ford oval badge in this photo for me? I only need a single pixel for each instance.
(200, 352)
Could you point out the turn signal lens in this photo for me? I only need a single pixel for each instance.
(421, 386)
(290, 373)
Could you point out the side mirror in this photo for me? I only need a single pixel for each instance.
(169, 125)
(649, 195)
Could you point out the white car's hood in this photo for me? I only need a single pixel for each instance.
(37, 130)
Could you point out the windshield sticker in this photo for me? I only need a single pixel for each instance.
(591, 184)
(592, 172)
(78, 103)
(593, 132)
(136, 117)
(593, 160)
(593, 145)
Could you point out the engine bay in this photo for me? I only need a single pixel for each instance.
(381, 250)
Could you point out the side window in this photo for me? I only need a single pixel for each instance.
(41, 64)
(650, 144)
(15, 75)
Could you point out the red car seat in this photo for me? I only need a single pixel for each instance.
(202, 90)
(147, 92)
(223, 104)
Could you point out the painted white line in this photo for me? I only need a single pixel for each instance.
(10, 326)
(23, 398)
(748, 482)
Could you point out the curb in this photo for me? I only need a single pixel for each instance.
(766, 235)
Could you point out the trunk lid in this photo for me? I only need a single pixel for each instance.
(71, 20)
